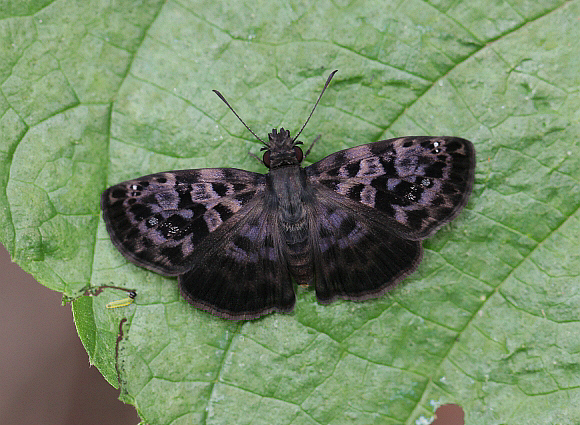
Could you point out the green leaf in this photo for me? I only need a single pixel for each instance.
(96, 92)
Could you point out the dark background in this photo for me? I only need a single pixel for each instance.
(45, 376)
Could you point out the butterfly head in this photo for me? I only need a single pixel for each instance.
(281, 150)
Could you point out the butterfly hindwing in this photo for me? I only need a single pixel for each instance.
(420, 182)
(239, 272)
(355, 251)
(157, 221)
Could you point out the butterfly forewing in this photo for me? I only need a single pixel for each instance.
(420, 182)
(157, 221)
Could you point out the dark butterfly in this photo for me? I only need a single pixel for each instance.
(350, 225)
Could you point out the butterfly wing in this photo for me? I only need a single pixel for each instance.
(157, 221)
(356, 253)
(239, 271)
(419, 182)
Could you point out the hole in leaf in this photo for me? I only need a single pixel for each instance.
(449, 414)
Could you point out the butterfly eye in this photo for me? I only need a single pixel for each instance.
(298, 153)
(266, 159)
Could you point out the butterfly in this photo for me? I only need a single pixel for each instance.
(349, 225)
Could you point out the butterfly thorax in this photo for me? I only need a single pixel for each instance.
(288, 188)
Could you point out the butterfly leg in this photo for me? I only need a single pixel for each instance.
(253, 155)
(312, 145)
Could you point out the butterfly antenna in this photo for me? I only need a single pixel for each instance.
(235, 113)
(316, 104)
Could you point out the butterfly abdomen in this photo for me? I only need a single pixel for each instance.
(299, 254)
